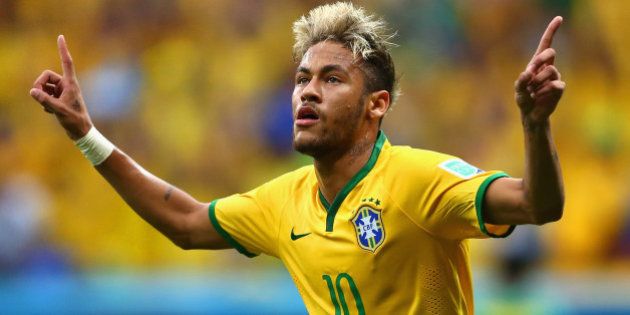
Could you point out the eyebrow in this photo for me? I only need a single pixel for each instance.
(325, 69)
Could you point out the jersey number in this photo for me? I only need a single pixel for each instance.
(342, 298)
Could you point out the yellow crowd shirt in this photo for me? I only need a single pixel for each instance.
(393, 241)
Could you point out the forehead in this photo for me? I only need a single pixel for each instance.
(328, 53)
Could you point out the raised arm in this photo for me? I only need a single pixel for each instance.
(173, 212)
(538, 197)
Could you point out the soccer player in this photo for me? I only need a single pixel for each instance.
(369, 227)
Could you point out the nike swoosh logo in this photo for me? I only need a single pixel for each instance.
(295, 237)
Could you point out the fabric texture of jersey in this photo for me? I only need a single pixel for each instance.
(394, 240)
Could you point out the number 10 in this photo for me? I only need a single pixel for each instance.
(342, 298)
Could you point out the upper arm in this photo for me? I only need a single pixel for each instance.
(505, 204)
(443, 195)
(457, 207)
(249, 222)
(198, 231)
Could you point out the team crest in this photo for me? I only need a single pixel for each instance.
(369, 227)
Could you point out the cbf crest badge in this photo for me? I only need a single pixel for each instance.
(369, 228)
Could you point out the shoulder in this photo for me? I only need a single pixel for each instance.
(405, 151)
(292, 180)
(278, 190)
(408, 161)
(418, 167)
(416, 161)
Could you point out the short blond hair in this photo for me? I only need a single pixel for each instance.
(365, 35)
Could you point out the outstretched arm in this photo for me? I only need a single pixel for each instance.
(538, 197)
(174, 213)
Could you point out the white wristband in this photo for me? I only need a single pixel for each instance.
(95, 147)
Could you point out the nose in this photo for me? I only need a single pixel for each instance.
(311, 92)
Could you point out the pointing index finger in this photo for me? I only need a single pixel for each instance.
(547, 38)
(66, 60)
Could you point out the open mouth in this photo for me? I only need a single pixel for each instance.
(306, 116)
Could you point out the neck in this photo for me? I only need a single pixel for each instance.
(334, 172)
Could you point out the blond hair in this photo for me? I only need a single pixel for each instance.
(365, 35)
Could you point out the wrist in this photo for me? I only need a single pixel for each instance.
(77, 132)
(535, 125)
(94, 146)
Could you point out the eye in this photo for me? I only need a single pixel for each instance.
(301, 80)
(333, 79)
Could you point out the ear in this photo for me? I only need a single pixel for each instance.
(378, 104)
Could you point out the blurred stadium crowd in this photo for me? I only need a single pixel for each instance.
(198, 92)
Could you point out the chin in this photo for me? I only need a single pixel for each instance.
(308, 144)
(305, 146)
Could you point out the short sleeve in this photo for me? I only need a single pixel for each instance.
(249, 221)
(444, 195)
(456, 207)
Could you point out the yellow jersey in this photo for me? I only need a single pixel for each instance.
(393, 241)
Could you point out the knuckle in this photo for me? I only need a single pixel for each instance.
(39, 78)
(537, 81)
(537, 60)
(49, 74)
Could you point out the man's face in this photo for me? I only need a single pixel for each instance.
(328, 100)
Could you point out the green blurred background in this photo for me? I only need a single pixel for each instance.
(198, 92)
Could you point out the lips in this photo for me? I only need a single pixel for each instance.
(306, 116)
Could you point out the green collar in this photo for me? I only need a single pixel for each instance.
(331, 209)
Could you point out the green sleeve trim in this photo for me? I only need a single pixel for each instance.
(481, 193)
(332, 208)
(213, 218)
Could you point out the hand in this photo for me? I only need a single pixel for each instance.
(539, 87)
(61, 95)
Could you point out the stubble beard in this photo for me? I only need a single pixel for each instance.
(334, 140)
